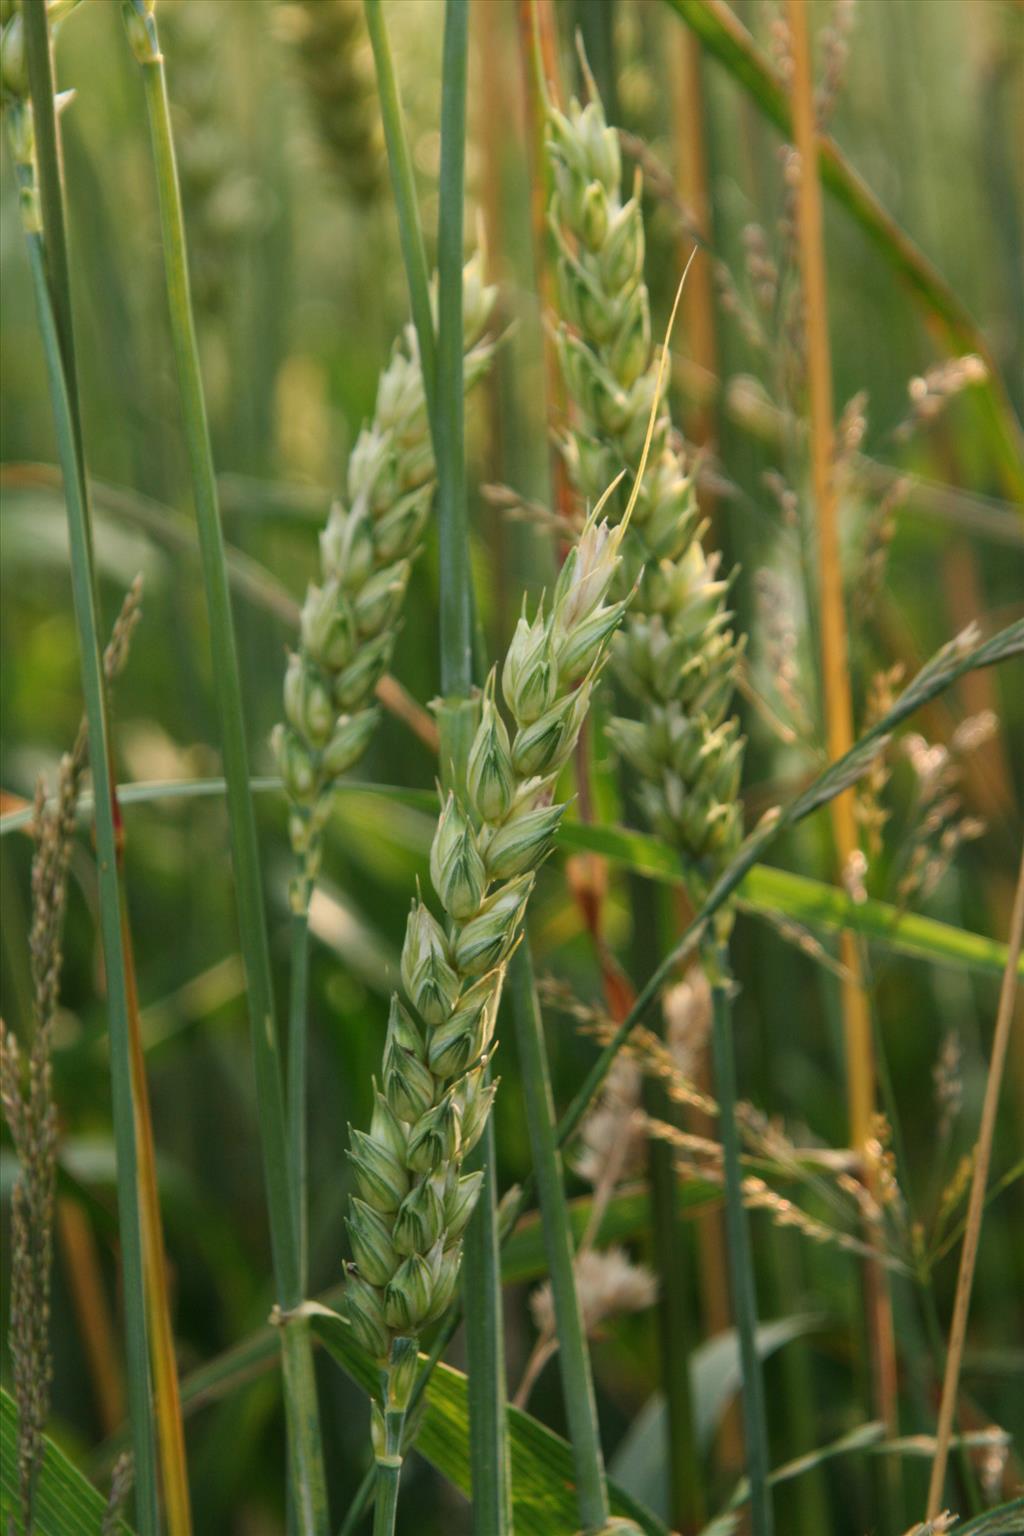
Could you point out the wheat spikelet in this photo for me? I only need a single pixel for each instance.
(350, 621)
(406, 1222)
(676, 655)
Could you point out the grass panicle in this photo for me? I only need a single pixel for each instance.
(26, 1095)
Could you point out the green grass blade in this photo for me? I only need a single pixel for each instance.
(90, 651)
(543, 1492)
(726, 38)
(51, 201)
(1007, 1520)
(764, 888)
(66, 1503)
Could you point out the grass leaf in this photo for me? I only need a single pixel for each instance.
(543, 1492)
(66, 1502)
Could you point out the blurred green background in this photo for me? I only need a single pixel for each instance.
(299, 289)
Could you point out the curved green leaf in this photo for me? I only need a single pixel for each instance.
(1007, 1520)
(543, 1491)
(66, 1503)
(765, 888)
(639, 1463)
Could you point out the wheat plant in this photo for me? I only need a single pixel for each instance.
(601, 978)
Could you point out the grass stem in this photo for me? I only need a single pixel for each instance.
(481, 1276)
(304, 1435)
(129, 1226)
(170, 1428)
(48, 264)
(976, 1203)
(403, 184)
(449, 427)
(741, 1264)
(835, 671)
(671, 1258)
(298, 1071)
(573, 1354)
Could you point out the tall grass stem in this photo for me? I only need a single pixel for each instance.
(298, 1072)
(404, 186)
(976, 1202)
(83, 587)
(170, 1427)
(835, 671)
(481, 1274)
(670, 1256)
(741, 1263)
(304, 1434)
(453, 528)
(573, 1355)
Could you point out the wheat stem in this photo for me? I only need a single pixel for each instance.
(404, 187)
(573, 1355)
(59, 354)
(453, 528)
(306, 1457)
(170, 1428)
(485, 1343)
(298, 1030)
(741, 1264)
(671, 1259)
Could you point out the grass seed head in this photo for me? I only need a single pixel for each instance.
(674, 654)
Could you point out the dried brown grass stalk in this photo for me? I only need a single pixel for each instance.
(976, 1204)
(835, 662)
